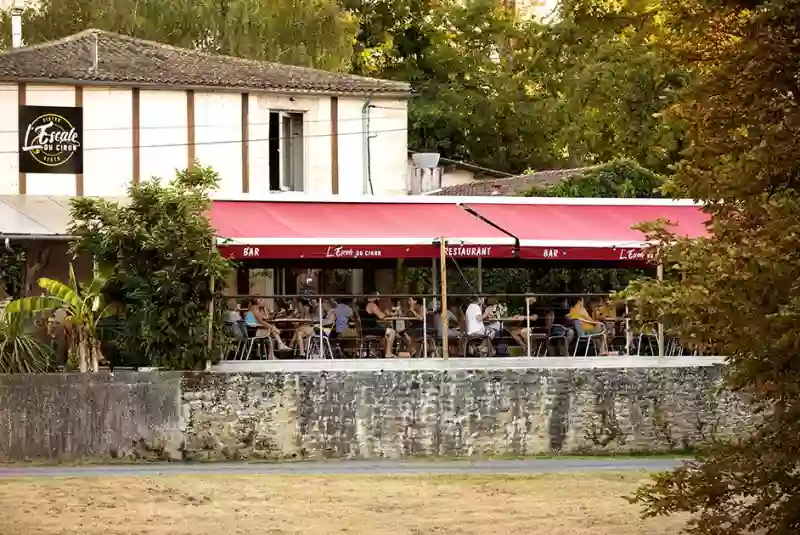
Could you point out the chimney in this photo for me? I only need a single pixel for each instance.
(16, 23)
(424, 175)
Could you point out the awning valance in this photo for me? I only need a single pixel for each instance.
(251, 230)
(602, 231)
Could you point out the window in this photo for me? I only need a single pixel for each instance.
(286, 151)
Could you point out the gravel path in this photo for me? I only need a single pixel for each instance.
(527, 466)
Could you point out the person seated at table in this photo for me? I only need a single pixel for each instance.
(579, 314)
(303, 310)
(492, 315)
(343, 312)
(562, 324)
(233, 319)
(256, 316)
(414, 331)
(476, 327)
(282, 308)
(519, 326)
(370, 315)
(451, 322)
(328, 321)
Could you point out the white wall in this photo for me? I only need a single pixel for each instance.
(218, 136)
(389, 146)
(9, 124)
(107, 140)
(163, 136)
(351, 146)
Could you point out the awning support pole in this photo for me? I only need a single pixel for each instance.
(210, 323)
(528, 335)
(321, 333)
(480, 275)
(443, 273)
(435, 278)
(660, 275)
(424, 328)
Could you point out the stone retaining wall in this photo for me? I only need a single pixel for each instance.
(365, 414)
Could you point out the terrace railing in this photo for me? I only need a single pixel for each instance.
(531, 325)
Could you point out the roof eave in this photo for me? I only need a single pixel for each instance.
(195, 87)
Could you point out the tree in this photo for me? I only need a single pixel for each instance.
(514, 95)
(609, 79)
(469, 104)
(736, 292)
(83, 308)
(164, 269)
(313, 33)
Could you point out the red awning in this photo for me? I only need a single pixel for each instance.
(284, 229)
(573, 231)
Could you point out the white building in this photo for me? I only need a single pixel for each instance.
(148, 109)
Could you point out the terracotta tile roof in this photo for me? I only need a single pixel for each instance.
(509, 187)
(123, 59)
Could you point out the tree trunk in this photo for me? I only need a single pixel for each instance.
(83, 350)
(96, 356)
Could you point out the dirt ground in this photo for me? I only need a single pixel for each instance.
(555, 504)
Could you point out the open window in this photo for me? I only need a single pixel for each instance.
(286, 151)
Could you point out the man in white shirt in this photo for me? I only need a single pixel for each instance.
(474, 315)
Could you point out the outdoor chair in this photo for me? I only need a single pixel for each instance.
(648, 337)
(431, 339)
(238, 332)
(558, 339)
(473, 344)
(538, 343)
(674, 347)
(319, 347)
(369, 346)
(262, 344)
(588, 339)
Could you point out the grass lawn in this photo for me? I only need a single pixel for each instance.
(568, 504)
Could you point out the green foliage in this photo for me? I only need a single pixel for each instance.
(162, 261)
(20, 350)
(736, 293)
(12, 270)
(610, 79)
(514, 95)
(619, 178)
(313, 33)
(83, 307)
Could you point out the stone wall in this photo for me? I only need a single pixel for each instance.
(83, 416)
(366, 414)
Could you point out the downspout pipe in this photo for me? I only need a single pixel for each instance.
(367, 155)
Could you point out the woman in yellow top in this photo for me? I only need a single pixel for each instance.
(579, 313)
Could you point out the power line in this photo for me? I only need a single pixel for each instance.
(218, 125)
(227, 142)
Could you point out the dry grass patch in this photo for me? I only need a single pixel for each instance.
(556, 504)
